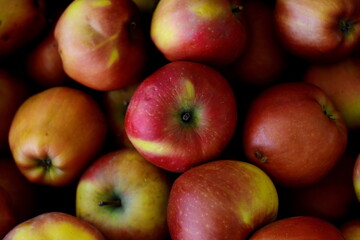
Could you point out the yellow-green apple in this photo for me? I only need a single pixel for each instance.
(55, 134)
(298, 228)
(13, 91)
(350, 229)
(222, 199)
(181, 115)
(294, 133)
(341, 82)
(356, 177)
(124, 196)
(318, 30)
(264, 58)
(207, 31)
(7, 217)
(54, 226)
(101, 43)
(116, 103)
(21, 21)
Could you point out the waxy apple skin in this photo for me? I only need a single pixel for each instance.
(55, 134)
(124, 196)
(182, 115)
(101, 43)
(52, 226)
(222, 199)
(293, 132)
(211, 32)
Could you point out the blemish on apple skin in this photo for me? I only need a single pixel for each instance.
(259, 155)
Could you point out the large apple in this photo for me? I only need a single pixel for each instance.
(55, 134)
(341, 82)
(222, 199)
(182, 115)
(124, 196)
(207, 31)
(294, 133)
(21, 21)
(54, 226)
(351, 229)
(298, 228)
(319, 30)
(101, 43)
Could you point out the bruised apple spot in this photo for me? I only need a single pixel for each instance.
(151, 147)
(114, 56)
(207, 10)
(101, 3)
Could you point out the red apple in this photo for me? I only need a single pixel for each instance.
(222, 199)
(55, 134)
(124, 196)
(341, 82)
(207, 31)
(7, 217)
(298, 228)
(319, 30)
(54, 226)
(101, 43)
(182, 115)
(351, 229)
(294, 133)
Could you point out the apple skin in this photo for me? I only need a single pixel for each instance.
(294, 133)
(351, 229)
(7, 217)
(298, 228)
(101, 43)
(356, 177)
(55, 134)
(340, 81)
(21, 23)
(211, 32)
(222, 199)
(124, 196)
(52, 226)
(318, 31)
(182, 115)
(13, 92)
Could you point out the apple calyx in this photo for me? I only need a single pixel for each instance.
(45, 163)
(259, 155)
(346, 26)
(327, 114)
(114, 203)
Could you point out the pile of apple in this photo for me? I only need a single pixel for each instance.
(179, 119)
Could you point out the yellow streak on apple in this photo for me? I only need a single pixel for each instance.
(189, 93)
(53, 230)
(151, 147)
(164, 32)
(101, 3)
(207, 10)
(114, 56)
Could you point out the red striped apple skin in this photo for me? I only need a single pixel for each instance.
(182, 115)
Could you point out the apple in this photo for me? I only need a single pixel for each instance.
(351, 229)
(298, 228)
(222, 199)
(21, 22)
(13, 91)
(264, 59)
(53, 226)
(316, 30)
(183, 114)
(356, 177)
(101, 43)
(206, 31)
(124, 196)
(340, 81)
(7, 217)
(55, 134)
(116, 103)
(294, 133)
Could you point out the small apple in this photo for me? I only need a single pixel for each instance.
(341, 82)
(294, 133)
(351, 229)
(182, 115)
(55, 134)
(222, 199)
(21, 21)
(206, 31)
(54, 226)
(124, 196)
(298, 228)
(101, 43)
(318, 30)
(7, 217)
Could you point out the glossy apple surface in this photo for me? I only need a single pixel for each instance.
(182, 115)
(222, 199)
(54, 226)
(294, 133)
(124, 196)
(206, 31)
(55, 134)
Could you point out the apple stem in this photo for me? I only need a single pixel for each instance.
(186, 116)
(115, 203)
